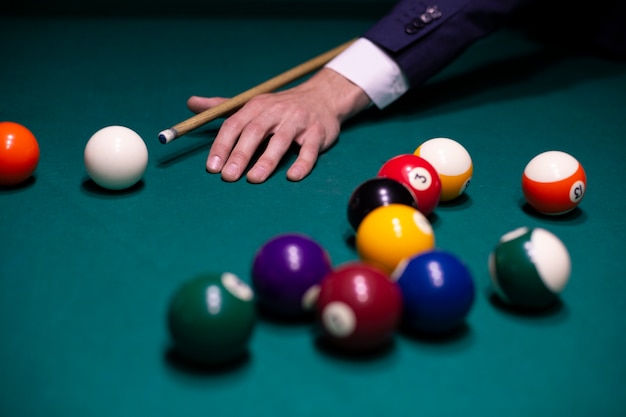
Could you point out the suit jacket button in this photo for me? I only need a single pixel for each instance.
(410, 29)
(418, 23)
(434, 12)
(425, 17)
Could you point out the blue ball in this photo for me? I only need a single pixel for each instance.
(437, 290)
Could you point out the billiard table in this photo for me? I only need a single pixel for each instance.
(86, 275)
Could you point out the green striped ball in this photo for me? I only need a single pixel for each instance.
(529, 268)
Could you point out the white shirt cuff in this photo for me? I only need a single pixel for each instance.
(369, 67)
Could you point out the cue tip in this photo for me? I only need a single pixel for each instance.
(167, 135)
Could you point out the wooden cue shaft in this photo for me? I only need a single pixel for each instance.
(239, 100)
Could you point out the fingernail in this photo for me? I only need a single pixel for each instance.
(214, 163)
(295, 174)
(257, 174)
(230, 170)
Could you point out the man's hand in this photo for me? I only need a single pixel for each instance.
(309, 114)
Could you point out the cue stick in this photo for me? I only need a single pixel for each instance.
(239, 100)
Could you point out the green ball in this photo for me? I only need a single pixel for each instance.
(529, 268)
(211, 318)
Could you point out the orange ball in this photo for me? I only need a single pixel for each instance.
(19, 153)
(452, 162)
(554, 182)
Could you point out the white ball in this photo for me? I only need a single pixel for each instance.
(116, 157)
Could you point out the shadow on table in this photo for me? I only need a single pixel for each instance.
(327, 348)
(500, 80)
(24, 185)
(556, 312)
(178, 362)
(574, 217)
(88, 186)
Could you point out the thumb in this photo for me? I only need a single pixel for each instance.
(199, 104)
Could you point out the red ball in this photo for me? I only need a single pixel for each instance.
(419, 175)
(358, 307)
(19, 153)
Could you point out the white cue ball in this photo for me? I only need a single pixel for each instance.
(116, 157)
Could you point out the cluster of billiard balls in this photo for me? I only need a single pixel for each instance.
(115, 157)
(400, 279)
(355, 306)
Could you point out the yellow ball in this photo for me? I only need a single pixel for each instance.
(452, 162)
(391, 233)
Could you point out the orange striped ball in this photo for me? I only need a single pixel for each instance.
(554, 182)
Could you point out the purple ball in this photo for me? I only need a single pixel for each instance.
(284, 269)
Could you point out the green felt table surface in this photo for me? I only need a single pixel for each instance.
(86, 275)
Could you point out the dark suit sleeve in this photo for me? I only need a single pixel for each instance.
(425, 36)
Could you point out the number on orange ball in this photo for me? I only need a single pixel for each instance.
(554, 182)
(19, 153)
(453, 163)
